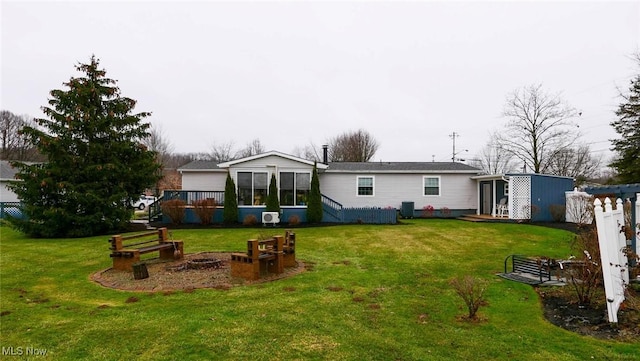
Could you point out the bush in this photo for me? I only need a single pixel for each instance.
(294, 220)
(446, 212)
(585, 275)
(174, 209)
(471, 290)
(558, 212)
(205, 209)
(427, 211)
(250, 220)
(230, 211)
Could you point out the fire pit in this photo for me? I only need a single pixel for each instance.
(197, 264)
(200, 263)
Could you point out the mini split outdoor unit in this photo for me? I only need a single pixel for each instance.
(270, 217)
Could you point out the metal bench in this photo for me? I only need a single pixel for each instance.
(528, 270)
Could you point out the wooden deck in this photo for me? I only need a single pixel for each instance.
(485, 218)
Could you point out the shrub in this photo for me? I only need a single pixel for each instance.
(205, 209)
(273, 204)
(174, 209)
(471, 290)
(585, 275)
(250, 220)
(446, 212)
(558, 212)
(314, 205)
(427, 211)
(230, 211)
(294, 220)
(580, 210)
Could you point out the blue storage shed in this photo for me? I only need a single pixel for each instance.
(529, 196)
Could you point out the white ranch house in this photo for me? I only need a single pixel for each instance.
(344, 185)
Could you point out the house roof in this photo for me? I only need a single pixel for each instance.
(201, 166)
(7, 172)
(401, 167)
(268, 154)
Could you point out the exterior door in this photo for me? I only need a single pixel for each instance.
(486, 199)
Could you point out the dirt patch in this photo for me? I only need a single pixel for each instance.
(169, 276)
(562, 310)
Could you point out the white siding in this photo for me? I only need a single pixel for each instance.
(457, 191)
(204, 181)
(7, 195)
(270, 161)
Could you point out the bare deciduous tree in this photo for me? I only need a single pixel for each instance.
(354, 146)
(309, 152)
(222, 152)
(576, 162)
(16, 146)
(493, 159)
(539, 126)
(158, 142)
(253, 147)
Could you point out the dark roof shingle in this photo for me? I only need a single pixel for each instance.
(402, 167)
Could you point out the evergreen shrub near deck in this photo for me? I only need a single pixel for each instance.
(372, 292)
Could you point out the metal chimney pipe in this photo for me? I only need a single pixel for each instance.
(325, 154)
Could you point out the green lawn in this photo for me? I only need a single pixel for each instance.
(373, 293)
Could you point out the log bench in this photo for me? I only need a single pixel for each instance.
(126, 250)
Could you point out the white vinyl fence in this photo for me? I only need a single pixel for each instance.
(612, 241)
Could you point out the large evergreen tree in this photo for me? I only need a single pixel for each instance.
(627, 147)
(314, 204)
(273, 204)
(96, 164)
(230, 212)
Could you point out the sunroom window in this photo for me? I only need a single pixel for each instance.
(252, 188)
(294, 188)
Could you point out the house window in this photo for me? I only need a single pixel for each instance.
(294, 188)
(252, 188)
(365, 186)
(431, 186)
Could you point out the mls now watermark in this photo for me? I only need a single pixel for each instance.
(24, 351)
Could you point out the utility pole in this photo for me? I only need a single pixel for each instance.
(453, 154)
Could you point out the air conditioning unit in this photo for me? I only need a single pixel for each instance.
(270, 217)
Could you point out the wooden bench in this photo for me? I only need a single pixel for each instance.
(528, 270)
(264, 256)
(289, 249)
(125, 255)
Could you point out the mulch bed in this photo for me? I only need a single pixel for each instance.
(171, 276)
(562, 310)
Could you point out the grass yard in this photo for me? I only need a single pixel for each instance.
(373, 293)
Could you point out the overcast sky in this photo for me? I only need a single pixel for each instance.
(296, 73)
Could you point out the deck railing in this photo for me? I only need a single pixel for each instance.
(13, 209)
